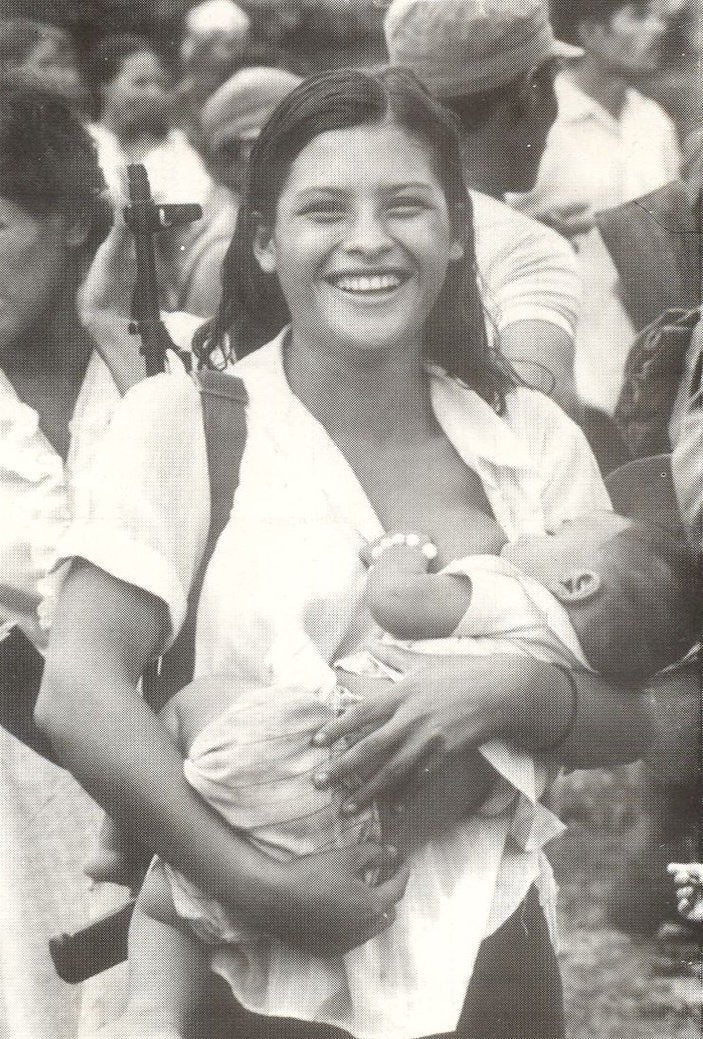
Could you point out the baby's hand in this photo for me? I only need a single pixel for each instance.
(404, 547)
(688, 878)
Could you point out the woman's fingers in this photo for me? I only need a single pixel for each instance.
(360, 762)
(406, 763)
(371, 855)
(369, 714)
(109, 283)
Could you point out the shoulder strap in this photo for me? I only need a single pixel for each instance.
(224, 399)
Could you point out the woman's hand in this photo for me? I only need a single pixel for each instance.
(440, 707)
(104, 303)
(326, 908)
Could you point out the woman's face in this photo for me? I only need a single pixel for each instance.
(140, 96)
(33, 259)
(362, 239)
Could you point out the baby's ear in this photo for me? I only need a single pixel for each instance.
(576, 587)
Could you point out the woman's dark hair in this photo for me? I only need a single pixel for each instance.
(253, 309)
(48, 161)
(107, 58)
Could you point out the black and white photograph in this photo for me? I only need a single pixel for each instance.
(351, 519)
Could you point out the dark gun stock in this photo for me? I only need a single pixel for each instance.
(145, 218)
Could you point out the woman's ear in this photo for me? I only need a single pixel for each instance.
(456, 252)
(265, 249)
(577, 587)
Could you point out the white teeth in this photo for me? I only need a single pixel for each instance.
(367, 282)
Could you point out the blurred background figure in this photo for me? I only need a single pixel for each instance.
(56, 399)
(136, 121)
(229, 124)
(493, 64)
(213, 44)
(136, 105)
(609, 145)
(233, 117)
(42, 56)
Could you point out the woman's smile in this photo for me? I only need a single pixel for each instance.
(368, 283)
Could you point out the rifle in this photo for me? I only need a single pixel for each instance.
(103, 944)
(145, 218)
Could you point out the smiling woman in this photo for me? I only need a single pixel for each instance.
(377, 406)
(388, 195)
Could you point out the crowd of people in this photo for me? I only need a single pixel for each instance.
(439, 316)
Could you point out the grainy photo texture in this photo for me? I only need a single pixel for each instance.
(351, 519)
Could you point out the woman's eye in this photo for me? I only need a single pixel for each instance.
(407, 206)
(324, 212)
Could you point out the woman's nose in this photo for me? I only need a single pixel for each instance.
(367, 234)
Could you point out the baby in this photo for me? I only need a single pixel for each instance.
(249, 752)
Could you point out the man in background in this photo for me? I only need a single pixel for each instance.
(608, 146)
(493, 64)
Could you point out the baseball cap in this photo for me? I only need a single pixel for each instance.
(244, 103)
(459, 47)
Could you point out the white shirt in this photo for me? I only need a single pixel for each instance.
(176, 172)
(527, 270)
(291, 551)
(38, 494)
(47, 822)
(594, 160)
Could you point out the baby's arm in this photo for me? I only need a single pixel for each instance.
(403, 598)
(168, 969)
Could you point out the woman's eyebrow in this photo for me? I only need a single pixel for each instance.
(342, 192)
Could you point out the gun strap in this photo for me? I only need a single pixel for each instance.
(224, 399)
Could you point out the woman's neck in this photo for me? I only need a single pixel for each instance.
(603, 85)
(376, 396)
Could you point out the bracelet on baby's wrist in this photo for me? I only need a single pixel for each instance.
(426, 547)
(567, 729)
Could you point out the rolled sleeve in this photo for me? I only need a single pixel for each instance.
(150, 504)
(529, 271)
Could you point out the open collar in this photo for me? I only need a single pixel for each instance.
(483, 439)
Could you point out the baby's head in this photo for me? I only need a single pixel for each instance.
(630, 588)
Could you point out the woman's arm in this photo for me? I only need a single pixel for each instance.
(101, 730)
(444, 705)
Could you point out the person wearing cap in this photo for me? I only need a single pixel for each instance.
(610, 145)
(229, 124)
(215, 36)
(493, 62)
